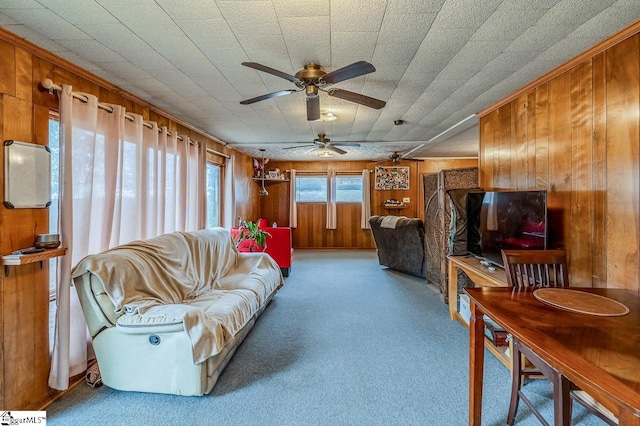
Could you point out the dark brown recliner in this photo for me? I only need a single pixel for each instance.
(400, 248)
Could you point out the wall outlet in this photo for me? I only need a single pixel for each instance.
(406, 200)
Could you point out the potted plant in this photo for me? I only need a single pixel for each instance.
(256, 237)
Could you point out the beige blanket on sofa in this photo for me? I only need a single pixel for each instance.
(187, 276)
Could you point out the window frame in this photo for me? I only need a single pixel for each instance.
(219, 167)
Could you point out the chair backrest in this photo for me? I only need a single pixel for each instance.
(536, 268)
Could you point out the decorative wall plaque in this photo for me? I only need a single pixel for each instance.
(392, 178)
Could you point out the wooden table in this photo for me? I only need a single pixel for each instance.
(599, 354)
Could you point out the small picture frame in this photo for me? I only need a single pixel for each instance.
(273, 175)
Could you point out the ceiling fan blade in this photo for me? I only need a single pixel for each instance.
(310, 150)
(268, 96)
(264, 68)
(350, 71)
(411, 159)
(295, 147)
(345, 144)
(334, 149)
(357, 98)
(313, 108)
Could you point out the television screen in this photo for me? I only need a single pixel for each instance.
(506, 220)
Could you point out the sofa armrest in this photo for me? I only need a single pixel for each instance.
(99, 311)
(279, 245)
(137, 324)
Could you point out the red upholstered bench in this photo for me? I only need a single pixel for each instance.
(279, 245)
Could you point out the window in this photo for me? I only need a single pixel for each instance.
(213, 195)
(349, 189)
(313, 189)
(54, 145)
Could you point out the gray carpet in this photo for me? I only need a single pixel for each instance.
(344, 342)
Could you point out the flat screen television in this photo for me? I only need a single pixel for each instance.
(506, 220)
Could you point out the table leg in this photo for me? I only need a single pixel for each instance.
(476, 364)
(452, 290)
(561, 401)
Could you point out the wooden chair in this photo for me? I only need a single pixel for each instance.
(542, 268)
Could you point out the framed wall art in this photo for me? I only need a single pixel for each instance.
(391, 178)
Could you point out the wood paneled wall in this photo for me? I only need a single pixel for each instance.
(24, 294)
(577, 135)
(311, 232)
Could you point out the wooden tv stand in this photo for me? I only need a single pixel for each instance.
(481, 277)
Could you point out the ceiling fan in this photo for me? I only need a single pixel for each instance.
(396, 158)
(322, 143)
(312, 79)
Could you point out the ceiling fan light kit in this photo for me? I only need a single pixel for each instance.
(312, 79)
(396, 158)
(324, 144)
(327, 116)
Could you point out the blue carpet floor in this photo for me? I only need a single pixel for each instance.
(345, 342)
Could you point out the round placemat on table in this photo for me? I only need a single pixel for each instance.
(580, 301)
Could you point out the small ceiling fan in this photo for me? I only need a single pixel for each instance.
(313, 79)
(323, 143)
(396, 158)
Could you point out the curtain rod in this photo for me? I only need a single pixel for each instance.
(325, 171)
(221, 154)
(48, 84)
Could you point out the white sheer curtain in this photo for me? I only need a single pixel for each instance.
(119, 181)
(196, 193)
(229, 194)
(332, 220)
(365, 213)
(293, 206)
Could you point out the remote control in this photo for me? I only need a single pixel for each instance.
(32, 251)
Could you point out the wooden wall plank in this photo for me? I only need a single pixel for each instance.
(599, 167)
(43, 69)
(559, 197)
(581, 175)
(24, 75)
(542, 137)
(486, 151)
(519, 169)
(40, 290)
(18, 119)
(622, 215)
(503, 170)
(531, 141)
(7, 68)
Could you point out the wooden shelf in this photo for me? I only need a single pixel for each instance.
(499, 352)
(266, 179)
(24, 259)
(482, 277)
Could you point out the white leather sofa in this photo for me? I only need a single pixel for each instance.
(166, 314)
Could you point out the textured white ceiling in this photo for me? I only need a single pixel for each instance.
(438, 61)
